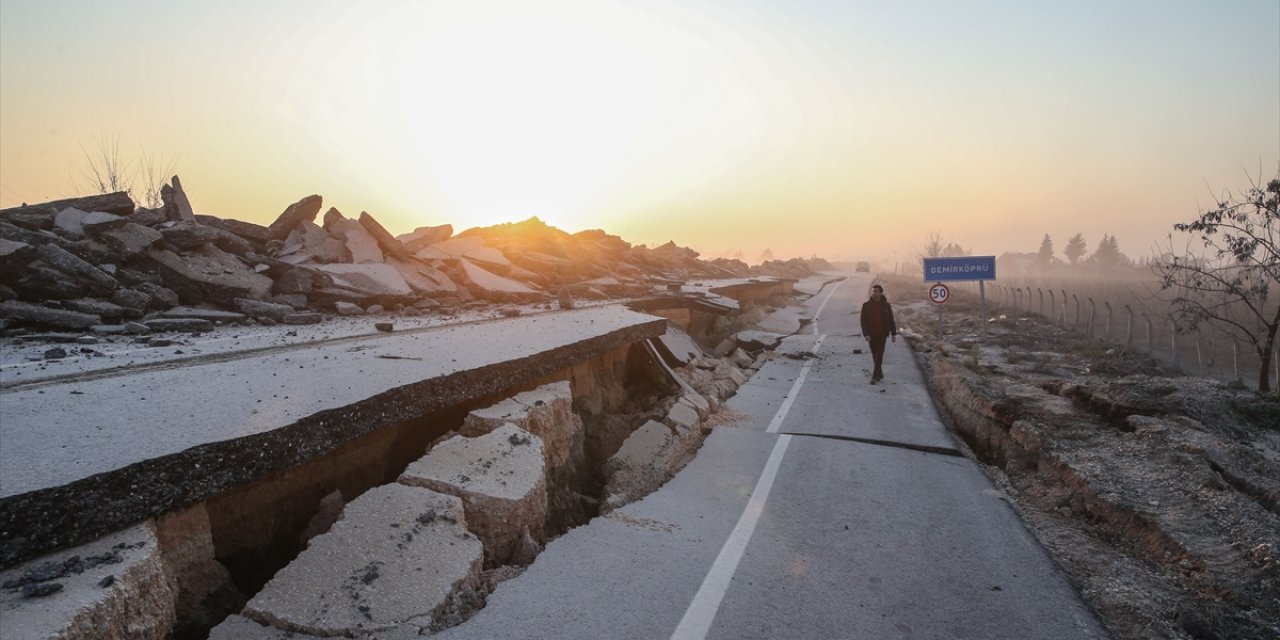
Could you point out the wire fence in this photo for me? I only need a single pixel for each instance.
(1127, 312)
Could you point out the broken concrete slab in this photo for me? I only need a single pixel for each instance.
(308, 242)
(108, 311)
(348, 309)
(256, 234)
(99, 221)
(212, 275)
(696, 401)
(304, 210)
(492, 286)
(71, 220)
(96, 279)
(259, 309)
(178, 324)
(188, 234)
(118, 203)
(423, 279)
(501, 478)
(470, 247)
(39, 281)
(682, 417)
(129, 240)
(398, 553)
(130, 299)
(176, 204)
(15, 255)
(161, 297)
(420, 238)
(360, 243)
(114, 587)
(758, 340)
(678, 347)
(386, 241)
(369, 279)
(546, 412)
(45, 316)
(641, 465)
(542, 262)
(304, 317)
(212, 315)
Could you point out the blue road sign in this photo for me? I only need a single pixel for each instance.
(960, 269)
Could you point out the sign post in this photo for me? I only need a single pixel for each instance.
(938, 295)
(960, 269)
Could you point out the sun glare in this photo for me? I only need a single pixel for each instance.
(513, 118)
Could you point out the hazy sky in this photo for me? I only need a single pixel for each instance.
(845, 128)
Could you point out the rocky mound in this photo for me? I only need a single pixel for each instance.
(102, 263)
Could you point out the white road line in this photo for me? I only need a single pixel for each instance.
(702, 611)
(706, 603)
(823, 306)
(781, 415)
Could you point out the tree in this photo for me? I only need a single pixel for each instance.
(1108, 255)
(1229, 286)
(1044, 257)
(933, 246)
(1076, 248)
(766, 255)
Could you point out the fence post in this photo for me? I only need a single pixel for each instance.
(1107, 335)
(1173, 341)
(1199, 354)
(1235, 357)
(1053, 308)
(1063, 324)
(1151, 344)
(1040, 309)
(1075, 324)
(1093, 312)
(1128, 327)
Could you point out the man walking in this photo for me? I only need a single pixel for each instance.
(878, 324)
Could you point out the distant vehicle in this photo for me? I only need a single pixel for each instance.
(863, 267)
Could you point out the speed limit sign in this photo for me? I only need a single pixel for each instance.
(939, 293)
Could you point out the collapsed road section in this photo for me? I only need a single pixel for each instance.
(85, 458)
(161, 498)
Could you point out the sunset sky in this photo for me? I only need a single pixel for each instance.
(846, 129)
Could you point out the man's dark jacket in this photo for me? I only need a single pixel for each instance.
(877, 318)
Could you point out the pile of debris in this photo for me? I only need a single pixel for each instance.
(100, 263)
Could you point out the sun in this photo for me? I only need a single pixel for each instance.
(517, 117)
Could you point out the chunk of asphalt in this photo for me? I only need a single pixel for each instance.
(398, 553)
(115, 586)
(501, 478)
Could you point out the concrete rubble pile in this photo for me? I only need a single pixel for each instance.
(422, 552)
(102, 264)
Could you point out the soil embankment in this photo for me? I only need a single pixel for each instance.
(1157, 493)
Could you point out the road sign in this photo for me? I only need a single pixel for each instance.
(939, 293)
(960, 269)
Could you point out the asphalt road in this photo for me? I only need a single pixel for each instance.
(833, 509)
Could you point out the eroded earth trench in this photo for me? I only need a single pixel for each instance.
(408, 527)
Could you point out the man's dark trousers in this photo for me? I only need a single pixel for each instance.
(877, 354)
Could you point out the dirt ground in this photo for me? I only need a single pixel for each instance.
(1157, 493)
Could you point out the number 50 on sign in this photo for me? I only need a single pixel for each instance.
(939, 293)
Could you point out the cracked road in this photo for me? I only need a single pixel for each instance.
(832, 509)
